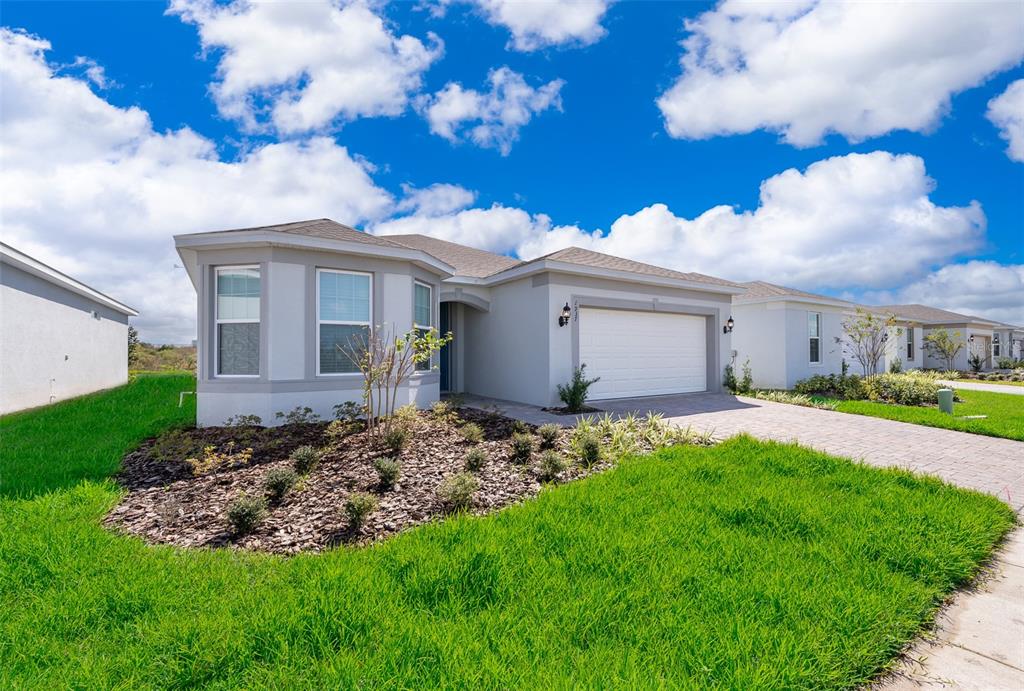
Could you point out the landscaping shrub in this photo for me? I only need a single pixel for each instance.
(586, 444)
(472, 432)
(902, 389)
(975, 362)
(339, 429)
(388, 470)
(1006, 363)
(358, 506)
(795, 399)
(729, 379)
(395, 439)
(848, 386)
(245, 513)
(278, 481)
(520, 427)
(174, 446)
(475, 458)
(896, 366)
(548, 435)
(522, 447)
(300, 415)
(407, 415)
(747, 381)
(305, 458)
(551, 464)
(212, 460)
(456, 492)
(443, 412)
(243, 421)
(349, 411)
(574, 394)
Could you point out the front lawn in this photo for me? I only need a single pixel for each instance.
(1004, 411)
(744, 565)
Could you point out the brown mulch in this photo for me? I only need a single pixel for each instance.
(167, 504)
(565, 411)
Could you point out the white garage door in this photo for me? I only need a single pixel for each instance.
(643, 353)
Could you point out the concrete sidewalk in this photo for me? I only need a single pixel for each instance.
(992, 387)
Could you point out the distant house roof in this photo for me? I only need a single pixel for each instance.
(467, 261)
(929, 315)
(762, 291)
(598, 260)
(20, 260)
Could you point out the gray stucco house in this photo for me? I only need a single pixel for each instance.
(274, 303)
(59, 338)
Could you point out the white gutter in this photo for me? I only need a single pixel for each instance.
(22, 261)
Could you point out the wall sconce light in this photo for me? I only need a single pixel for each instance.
(564, 317)
(729, 323)
(971, 339)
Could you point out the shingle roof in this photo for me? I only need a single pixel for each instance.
(924, 313)
(583, 257)
(319, 228)
(467, 261)
(760, 290)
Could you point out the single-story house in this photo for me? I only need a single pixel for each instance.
(59, 338)
(976, 334)
(276, 302)
(1007, 342)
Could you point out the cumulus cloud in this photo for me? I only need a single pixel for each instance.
(981, 288)
(541, 24)
(95, 191)
(498, 114)
(861, 220)
(307, 65)
(1006, 112)
(861, 69)
(439, 198)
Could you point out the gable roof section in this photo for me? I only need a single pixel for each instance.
(323, 228)
(22, 261)
(929, 315)
(762, 291)
(467, 261)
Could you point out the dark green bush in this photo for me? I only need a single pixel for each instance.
(245, 513)
(396, 438)
(278, 481)
(520, 427)
(305, 459)
(588, 447)
(456, 492)
(388, 469)
(574, 394)
(476, 458)
(358, 506)
(548, 435)
(551, 464)
(522, 447)
(472, 432)
(902, 389)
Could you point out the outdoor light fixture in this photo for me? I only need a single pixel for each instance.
(729, 323)
(563, 319)
(971, 339)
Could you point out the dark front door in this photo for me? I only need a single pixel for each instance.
(446, 350)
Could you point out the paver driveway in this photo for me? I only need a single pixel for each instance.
(988, 464)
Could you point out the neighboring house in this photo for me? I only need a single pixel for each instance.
(1007, 341)
(275, 302)
(787, 334)
(975, 333)
(58, 337)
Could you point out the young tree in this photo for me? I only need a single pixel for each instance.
(943, 344)
(133, 346)
(866, 335)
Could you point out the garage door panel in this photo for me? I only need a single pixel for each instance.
(642, 353)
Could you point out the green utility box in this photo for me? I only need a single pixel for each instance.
(946, 401)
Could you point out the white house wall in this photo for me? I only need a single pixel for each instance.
(54, 343)
(760, 337)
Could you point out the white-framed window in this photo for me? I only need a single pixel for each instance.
(237, 321)
(910, 343)
(344, 309)
(995, 345)
(422, 314)
(814, 337)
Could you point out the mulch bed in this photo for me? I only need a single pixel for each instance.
(565, 411)
(165, 503)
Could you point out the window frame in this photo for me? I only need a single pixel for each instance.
(810, 338)
(217, 321)
(319, 321)
(417, 369)
(910, 344)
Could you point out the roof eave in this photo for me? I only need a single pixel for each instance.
(548, 265)
(796, 298)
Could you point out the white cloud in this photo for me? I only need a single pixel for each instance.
(1006, 112)
(439, 198)
(499, 113)
(980, 288)
(310, 64)
(862, 220)
(538, 24)
(94, 191)
(805, 69)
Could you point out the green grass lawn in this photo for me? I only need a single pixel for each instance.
(745, 565)
(1005, 413)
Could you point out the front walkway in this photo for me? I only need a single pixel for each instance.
(982, 386)
(978, 642)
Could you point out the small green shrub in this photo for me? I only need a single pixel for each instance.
(729, 379)
(795, 399)
(548, 435)
(551, 464)
(747, 381)
(300, 415)
(472, 433)
(358, 506)
(278, 482)
(574, 394)
(305, 459)
(395, 439)
(896, 366)
(522, 447)
(388, 469)
(442, 411)
(349, 411)
(975, 362)
(902, 389)
(245, 513)
(848, 386)
(212, 460)
(339, 429)
(243, 421)
(407, 415)
(476, 458)
(586, 444)
(1006, 363)
(520, 427)
(457, 491)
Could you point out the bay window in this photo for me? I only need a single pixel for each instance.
(237, 321)
(422, 317)
(814, 336)
(343, 313)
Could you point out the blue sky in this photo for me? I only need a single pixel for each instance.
(596, 149)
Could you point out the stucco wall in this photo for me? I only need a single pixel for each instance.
(760, 336)
(288, 333)
(52, 346)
